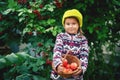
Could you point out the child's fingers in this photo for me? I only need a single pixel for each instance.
(78, 72)
(60, 68)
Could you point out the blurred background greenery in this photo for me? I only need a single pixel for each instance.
(27, 35)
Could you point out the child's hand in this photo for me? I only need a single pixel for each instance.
(60, 68)
(78, 72)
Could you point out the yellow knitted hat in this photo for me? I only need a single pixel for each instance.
(74, 13)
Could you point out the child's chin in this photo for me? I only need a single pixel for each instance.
(72, 33)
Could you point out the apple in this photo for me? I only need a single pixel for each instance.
(67, 71)
(73, 66)
(67, 66)
(64, 62)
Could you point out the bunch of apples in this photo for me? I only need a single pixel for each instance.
(68, 67)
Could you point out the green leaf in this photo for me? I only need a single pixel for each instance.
(29, 10)
(2, 60)
(26, 30)
(22, 55)
(49, 29)
(55, 30)
(3, 3)
(36, 77)
(32, 16)
(116, 2)
(35, 69)
(20, 13)
(24, 77)
(40, 61)
(2, 63)
(12, 4)
(90, 30)
(49, 7)
(12, 58)
(3, 36)
(54, 33)
(21, 19)
(50, 21)
(7, 11)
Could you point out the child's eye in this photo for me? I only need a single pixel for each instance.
(74, 23)
(67, 23)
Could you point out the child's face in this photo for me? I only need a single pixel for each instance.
(71, 25)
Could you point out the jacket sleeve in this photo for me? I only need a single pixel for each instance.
(84, 54)
(58, 47)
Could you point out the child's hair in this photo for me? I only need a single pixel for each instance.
(80, 32)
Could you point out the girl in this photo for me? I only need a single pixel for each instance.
(71, 40)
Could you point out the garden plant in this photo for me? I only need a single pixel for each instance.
(27, 35)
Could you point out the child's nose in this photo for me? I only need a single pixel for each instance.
(71, 25)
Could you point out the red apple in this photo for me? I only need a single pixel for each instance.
(67, 66)
(73, 66)
(67, 71)
(70, 71)
(64, 62)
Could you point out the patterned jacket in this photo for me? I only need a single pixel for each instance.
(77, 44)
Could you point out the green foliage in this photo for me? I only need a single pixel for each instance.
(36, 23)
(13, 58)
(31, 67)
